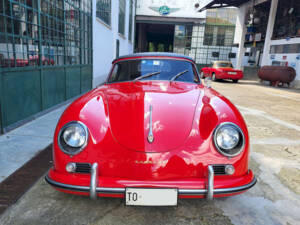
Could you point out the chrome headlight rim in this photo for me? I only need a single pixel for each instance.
(64, 146)
(239, 147)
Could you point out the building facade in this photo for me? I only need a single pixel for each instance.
(45, 55)
(177, 26)
(268, 33)
(54, 50)
(113, 34)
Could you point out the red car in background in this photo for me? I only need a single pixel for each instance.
(222, 70)
(34, 60)
(10, 62)
(151, 134)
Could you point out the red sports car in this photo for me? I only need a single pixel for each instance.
(222, 70)
(151, 134)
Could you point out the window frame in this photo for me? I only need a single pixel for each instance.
(110, 10)
(122, 13)
(130, 22)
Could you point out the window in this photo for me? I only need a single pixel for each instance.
(103, 11)
(130, 20)
(222, 16)
(223, 65)
(231, 55)
(163, 69)
(58, 34)
(285, 49)
(204, 42)
(215, 54)
(122, 10)
(287, 22)
(221, 36)
(208, 35)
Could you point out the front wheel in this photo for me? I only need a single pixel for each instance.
(214, 77)
(202, 75)
(235, 81)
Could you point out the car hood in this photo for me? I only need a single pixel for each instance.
(173, 108)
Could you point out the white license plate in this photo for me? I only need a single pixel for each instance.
(151, 196)
(231, 72)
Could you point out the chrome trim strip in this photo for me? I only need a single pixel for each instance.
(94, 181)
(122, 190)
(192, 191)
(210, 183)
(150, 137)
(83, 188)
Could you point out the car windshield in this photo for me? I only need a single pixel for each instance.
(153, 69)
(224, 64)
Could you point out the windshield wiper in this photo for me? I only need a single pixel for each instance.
(178, 75)
(147, 75)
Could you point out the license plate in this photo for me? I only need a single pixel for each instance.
(151, 196)
(231, 72)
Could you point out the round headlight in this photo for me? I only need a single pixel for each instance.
(73, 137)
(229, 139)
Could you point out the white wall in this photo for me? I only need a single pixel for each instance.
(178, 8)
(104, 41)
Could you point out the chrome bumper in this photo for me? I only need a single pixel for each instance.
(94, 190)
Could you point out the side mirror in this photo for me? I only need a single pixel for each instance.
(207, 82)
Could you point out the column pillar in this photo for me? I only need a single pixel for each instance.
(269, 33)
(240, 32)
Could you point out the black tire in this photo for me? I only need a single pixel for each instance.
(213, 77)
(235, 81)
(202, 75)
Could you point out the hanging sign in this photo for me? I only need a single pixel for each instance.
(164, 10)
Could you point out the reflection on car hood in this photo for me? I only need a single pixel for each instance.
(173, 107)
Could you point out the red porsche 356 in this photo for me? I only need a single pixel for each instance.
(152, 133)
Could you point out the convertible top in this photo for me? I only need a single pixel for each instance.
(155, 54)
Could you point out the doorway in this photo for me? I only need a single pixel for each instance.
(154, 37)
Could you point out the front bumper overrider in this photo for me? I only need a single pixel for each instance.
(94, 190)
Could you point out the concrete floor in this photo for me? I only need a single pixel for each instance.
(26, 141)
(273, 119)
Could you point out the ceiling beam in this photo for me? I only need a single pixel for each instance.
(223, 3)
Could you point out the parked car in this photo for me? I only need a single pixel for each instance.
(34, 60)
(10, 62)
(222, 70)
(151, 134)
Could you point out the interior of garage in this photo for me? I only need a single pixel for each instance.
(154, 37)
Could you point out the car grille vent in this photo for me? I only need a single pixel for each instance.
(83, 168)
(219, 169)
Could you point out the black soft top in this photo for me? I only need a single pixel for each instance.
(149, 54)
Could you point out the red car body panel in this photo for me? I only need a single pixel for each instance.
(137, 98)
(184, 115)
(222, 73)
